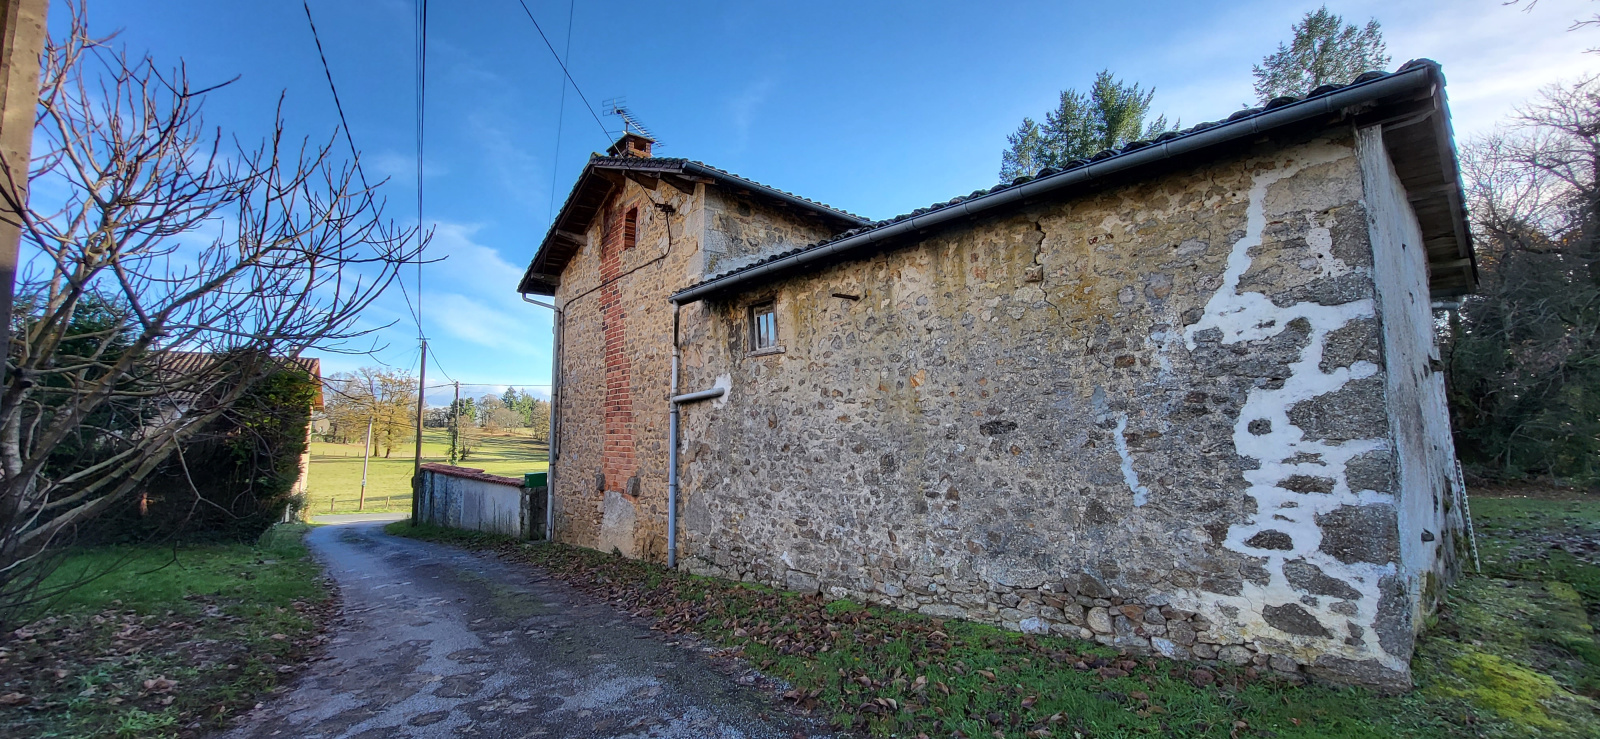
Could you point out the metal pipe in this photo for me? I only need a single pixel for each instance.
(553, 445)
(672, 452)
(715, 392)
(674, 400)
(539, 303)
(1244, 128)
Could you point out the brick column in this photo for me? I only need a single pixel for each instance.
(618, 464)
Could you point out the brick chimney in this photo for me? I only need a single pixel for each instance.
(631, 145)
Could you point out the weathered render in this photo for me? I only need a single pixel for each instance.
(1154, 417)
(1194, 412)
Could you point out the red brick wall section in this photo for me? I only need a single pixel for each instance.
(619, 463)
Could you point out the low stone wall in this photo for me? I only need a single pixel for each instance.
(466, 498)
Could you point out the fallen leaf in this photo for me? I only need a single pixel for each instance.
(160, 685)
(14, 699)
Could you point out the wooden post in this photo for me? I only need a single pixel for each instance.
(455, 425)
(366, 457)
(22, 35)
(416, 464)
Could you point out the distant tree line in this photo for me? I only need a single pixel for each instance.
(387, 400)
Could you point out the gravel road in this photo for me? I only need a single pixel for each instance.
(436, 641)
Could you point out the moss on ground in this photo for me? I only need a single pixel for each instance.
(1519, 652)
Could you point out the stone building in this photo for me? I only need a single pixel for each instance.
(1182, 398)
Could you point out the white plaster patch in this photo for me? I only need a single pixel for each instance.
(1320, 239)
(1251, 317)
(724, 381)
(1141, 494)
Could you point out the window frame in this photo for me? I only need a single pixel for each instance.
(754, 314)
(630, 228)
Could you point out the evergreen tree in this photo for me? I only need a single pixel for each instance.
(1111, 114)
(1021, 158)
(1325, 50)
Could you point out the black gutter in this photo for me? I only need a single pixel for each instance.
(1419, 76)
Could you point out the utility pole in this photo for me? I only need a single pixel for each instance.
(455, 425)
(416, 464)
(366, 457)
(22, 34)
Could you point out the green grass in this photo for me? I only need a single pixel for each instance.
(1542, 538)
(163, 641)
(335, 476)
(1512, 653)
(890, 673)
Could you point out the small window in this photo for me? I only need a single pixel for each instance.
(763, 327)
(630, 228)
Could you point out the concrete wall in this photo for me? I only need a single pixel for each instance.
(1155, 416)
(1430, 490)
(464, 498)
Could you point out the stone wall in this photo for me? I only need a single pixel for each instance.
(741, 228)
(1154, 416)
(1432, 551)
(609, 476)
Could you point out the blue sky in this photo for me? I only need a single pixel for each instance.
(875, 107)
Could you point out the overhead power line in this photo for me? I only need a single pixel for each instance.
(564, 71)
(355, 153)
(422, 98)
(561, 115)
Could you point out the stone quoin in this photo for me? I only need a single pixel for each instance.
(1181, 398)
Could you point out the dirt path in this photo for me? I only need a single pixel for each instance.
(435, 641)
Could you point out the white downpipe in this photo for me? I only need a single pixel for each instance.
(555, 394)
(673, 401)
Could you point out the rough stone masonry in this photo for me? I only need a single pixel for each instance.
(1194, 412)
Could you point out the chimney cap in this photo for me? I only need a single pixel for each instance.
(631, 145)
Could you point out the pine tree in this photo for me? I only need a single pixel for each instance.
(1021, 158)
(1108, 116)
(1325, 50)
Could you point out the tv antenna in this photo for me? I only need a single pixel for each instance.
(630, 122)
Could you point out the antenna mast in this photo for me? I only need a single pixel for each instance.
(619, 108)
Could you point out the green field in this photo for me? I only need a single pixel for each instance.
(335, 480)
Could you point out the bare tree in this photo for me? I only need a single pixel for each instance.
(1590, 22)
(1525, 351)
(182, 245)
(388, 398)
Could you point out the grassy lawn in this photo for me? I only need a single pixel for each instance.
(1511, 655)
(336, 469)
(171, 642)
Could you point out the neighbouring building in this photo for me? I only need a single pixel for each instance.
(1181, 398)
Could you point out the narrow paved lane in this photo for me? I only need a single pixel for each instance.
(435, 641)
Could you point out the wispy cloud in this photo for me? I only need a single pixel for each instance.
(468, 295)
(401, 168)
(510, 161)
(743, 108)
